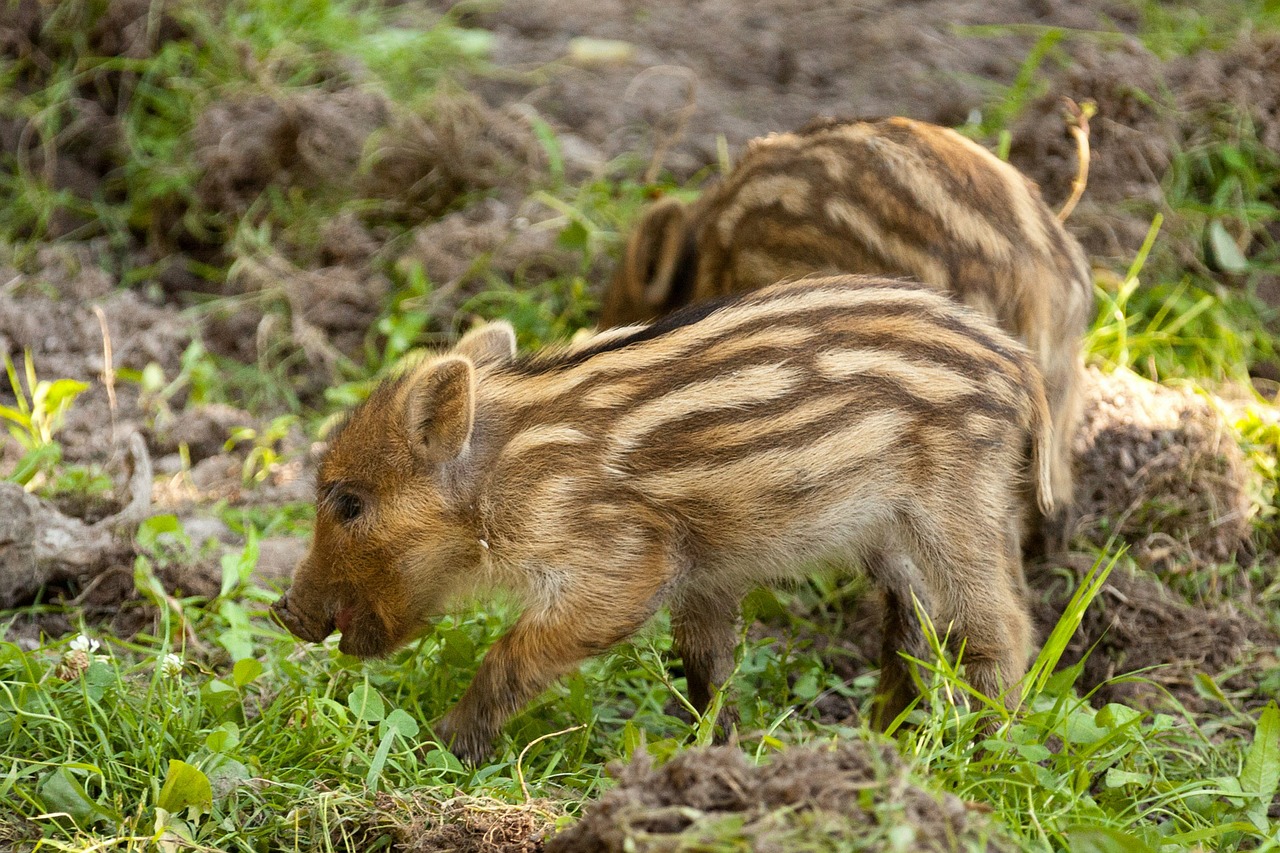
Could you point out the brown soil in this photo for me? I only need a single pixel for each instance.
(691, 76)
(757, 67)
(464, 253)
(310, 139)
(822, 796)
(1137, 625)
(49, 310)
(424, 162)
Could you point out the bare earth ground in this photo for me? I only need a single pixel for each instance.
(691, 79)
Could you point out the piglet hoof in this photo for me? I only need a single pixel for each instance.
(473, 747)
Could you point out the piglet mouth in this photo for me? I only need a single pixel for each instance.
(310, 629)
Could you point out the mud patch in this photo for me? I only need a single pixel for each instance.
(854, 795)
(467, 824)
(1136, 623)
(1159, 467)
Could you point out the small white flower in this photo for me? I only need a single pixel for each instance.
(84, 644)
(171, 665)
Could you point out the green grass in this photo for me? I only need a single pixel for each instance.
(251, 741)
(286, 745)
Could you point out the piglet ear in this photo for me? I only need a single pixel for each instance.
(492, 343)
(441, 408)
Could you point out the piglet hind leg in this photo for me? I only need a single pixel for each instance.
(903, 635)
(996, 636)
(704, 626)
(987, 613)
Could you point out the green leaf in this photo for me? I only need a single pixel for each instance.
(15, 416)
(1104, 839)
(96, 679)
(64, 391)
(1117, 778)
(762, 603)
(1081, 726)
(379, 761)
(1261, 773)
(151, 378)
(458, 649)
(366, 704)
(185, 787)
(400, 722)
(1207, 687)
(63, 793)
(245, 671)
(219, 696)
(1115, 716)
(225, 775)
(42, 458)
(806, 687)
(223, 738)
(237, 567)
(441, 759)
(147, 584)
(573, 236)
(1226, 254)
(150, 531)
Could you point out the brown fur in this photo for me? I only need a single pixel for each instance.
(892, 197)
(862, 421)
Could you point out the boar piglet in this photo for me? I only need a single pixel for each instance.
(868, 422)
(892, 197)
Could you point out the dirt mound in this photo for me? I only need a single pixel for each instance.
(322, 300)
(1160, 468)
(311, 139)
(1136, 623)
(422, 163)
(467, 824)
(854, 795)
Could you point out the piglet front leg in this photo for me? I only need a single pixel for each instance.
(539, 649)
(522, 664)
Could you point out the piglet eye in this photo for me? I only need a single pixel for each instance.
(347, 506)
